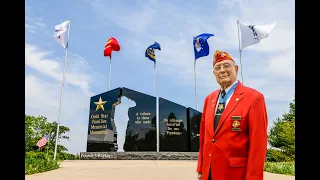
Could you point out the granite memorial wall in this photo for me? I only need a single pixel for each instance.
(173, 125)
(101, 126)
(179, 126)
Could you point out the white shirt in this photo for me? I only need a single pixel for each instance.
(227, 99)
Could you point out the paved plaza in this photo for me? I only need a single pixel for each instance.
(129, 170)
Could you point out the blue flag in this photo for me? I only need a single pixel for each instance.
(150, 51)
(200, 45)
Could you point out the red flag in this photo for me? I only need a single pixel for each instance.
(111, 45)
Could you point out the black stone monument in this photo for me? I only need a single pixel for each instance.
(101, 125)
(173, 127)
(141, 129)
(194, 119)
(179, 126)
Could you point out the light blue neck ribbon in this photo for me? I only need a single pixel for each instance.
(228, 94)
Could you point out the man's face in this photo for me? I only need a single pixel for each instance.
(226, 72)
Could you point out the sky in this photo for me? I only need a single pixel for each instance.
(267, 66)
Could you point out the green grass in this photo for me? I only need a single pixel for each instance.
(287, 168)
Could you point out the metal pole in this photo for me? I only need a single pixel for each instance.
(195, 81)
(154, 77)
(157, 111)
(195, 84)
(109, 86)
(61, 95)
(109, 75)
(48, 145)
(240, 50)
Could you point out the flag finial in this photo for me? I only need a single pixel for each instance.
(70, 19)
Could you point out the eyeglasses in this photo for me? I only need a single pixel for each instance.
(225, 66)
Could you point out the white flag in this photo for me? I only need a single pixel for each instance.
(253, 34)
(59, 34)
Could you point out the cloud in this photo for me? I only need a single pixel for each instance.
(32, 24)
(43, 88)
(276, 51)
(267, 66)
(283, 64)
(43, 98)
(37, 59)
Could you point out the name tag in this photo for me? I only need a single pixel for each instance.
(236, 117)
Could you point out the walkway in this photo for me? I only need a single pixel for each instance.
(129, 170)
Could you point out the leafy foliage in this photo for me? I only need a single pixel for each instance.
(37, 162)
(287, 168)
(37, 127)
(41, 160)
(282, 138)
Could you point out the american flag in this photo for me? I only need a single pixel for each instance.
(43, 141)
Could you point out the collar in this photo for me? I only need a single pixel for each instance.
(228, 88)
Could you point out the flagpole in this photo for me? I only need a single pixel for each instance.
(109, 75)
(195, 82)
(48, 145)
(240, 50)
(157, 109)
(109, 86)
(61, 95)
(154, 76)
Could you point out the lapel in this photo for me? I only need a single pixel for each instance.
(212, 106)
(233, 102)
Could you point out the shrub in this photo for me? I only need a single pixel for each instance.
(282, 138)
(38, 162)
(287, 168)
(67, 156)
(274, 155)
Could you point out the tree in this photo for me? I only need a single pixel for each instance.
(52, 129)
(37, 127)
(282, 137)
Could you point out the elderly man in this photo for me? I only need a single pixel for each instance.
(233, 130)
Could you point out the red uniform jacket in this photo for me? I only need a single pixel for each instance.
(237, 149)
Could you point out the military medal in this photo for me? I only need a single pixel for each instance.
(220, 107)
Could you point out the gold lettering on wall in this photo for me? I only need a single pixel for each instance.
(98, 132)
(173, 126)
(98, 123)
(143, 118)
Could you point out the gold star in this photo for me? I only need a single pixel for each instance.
(220, 107)
(100, 104)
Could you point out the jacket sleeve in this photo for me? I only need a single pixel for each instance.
(201, 138)
(258, 138)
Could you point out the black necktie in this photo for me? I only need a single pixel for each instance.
(223, 93)
(219, 111)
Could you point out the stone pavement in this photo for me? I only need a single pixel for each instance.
(129, 170)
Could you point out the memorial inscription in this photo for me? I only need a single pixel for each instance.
(179, 126)
(173, 126)
(101, 125)
(141, 129)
